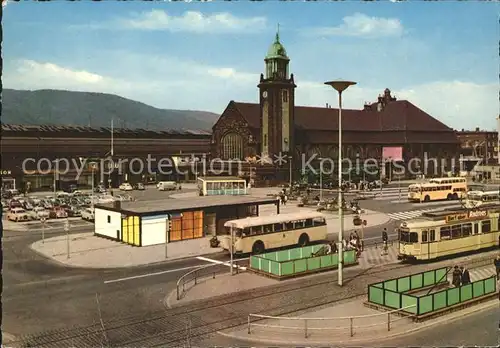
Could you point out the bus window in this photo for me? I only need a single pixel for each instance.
(268, 228)
(309, 222)
(256, 230)
(466, 230)
(238, 232)
(456, 231)
(432, 234)
(424, 236)
(278, 227)
(486, 226)
(246, 231)
(413, 237)
(318, 221)
(445, 232)
(289, 225)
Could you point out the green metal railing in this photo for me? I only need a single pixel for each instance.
(391, 293)
(298, 260)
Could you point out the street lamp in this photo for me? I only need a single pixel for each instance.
(290, 158)
(92, 167)
(320, 179)
(340, 86)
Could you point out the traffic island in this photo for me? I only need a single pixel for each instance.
(298, 262)
(427, 295)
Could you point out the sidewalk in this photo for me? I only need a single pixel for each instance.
(89, 251)
(370, 326)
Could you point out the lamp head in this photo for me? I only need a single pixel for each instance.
(340, 85)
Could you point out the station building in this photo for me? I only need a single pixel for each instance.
(387, 130)
(173, 220)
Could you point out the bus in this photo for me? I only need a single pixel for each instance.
(258, 234)
(477, 199)
(438, 189)
(448, 232)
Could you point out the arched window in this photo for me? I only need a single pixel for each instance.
(232, 146)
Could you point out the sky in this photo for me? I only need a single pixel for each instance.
(441, 56)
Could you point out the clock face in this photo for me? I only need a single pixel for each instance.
(264, 94)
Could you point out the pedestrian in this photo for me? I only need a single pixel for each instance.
(385, 239)
(285, 199)
(497, 266)
(456, 277)
(334, 248)
(465, 275)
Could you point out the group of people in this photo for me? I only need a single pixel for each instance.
(497, 266)
(460, 277)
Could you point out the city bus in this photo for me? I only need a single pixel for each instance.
(258, 234)
(438, 189)
(448, 232)
(476, 199)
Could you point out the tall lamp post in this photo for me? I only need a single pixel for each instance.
(340, 86)
(93, 166)
(290, 158)
(320, 179)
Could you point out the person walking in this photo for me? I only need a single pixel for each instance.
(497, 266)
(385, 239)
(456, 277)
(465, 275)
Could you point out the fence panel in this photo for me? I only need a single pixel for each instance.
(335, 259)
(275, 268)
(429, 278)
(478, 288)
(416, 281)
(287, 268)
(392, 299)
(391, 285)
(441, 274)
(300, 265)
(376, 295)
(265, 265)
(407, 301)
(425, 304)
(440, 299)
(466, 292)
(283, 256)
(350, 257)
(254, 262)
(453, 296)
(326, 261)
(490, 285)
(403, 285)
(295, 254)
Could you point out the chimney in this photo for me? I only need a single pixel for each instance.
(477, 129)
(117, 204)
(327, 105)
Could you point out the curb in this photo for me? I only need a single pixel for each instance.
(453, 317)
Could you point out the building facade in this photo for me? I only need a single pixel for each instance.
(29, 154)
(387, 131)
(479, 146)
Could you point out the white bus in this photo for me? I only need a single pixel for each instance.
(438, 189)
(257, 234)
(481, 198)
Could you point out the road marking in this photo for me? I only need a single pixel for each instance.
(217, 262)
(151, 274)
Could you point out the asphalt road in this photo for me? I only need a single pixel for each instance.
(478, 329)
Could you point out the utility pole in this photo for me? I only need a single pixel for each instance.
(66, 228)
(42, 220)
(232, 246)
(167, 232)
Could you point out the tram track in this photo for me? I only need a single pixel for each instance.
(203, 318)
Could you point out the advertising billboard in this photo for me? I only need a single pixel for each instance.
(392, 153)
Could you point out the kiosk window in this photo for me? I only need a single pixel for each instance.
(486, 226)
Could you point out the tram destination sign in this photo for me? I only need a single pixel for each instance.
(473, 214)
(456, 217)
(477, 214)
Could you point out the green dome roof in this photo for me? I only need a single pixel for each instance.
(276, 50)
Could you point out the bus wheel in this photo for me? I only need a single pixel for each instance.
(449, 197)
(258, 248)
(455, 196)
(427, 199)
(303, 240)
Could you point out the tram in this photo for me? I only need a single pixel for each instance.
(476, 199)
(448, 232)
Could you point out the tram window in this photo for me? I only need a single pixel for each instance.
(456, 231)
(486, 226)
(404, 236)
(466, 230)
(498, 225)
(413, 237)
(424, 236)
(445, 232)
(278, 227)
(432, 235)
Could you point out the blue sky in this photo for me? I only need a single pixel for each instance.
(442, 56)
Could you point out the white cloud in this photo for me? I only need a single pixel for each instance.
(459, 104)
(361, 25)
(192, 21)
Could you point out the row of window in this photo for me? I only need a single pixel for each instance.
(448, 232)
(280, 227)
(485, 198)
(225, 185)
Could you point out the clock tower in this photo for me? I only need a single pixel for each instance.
(277, 101)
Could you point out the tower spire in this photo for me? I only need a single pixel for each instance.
(278, 33)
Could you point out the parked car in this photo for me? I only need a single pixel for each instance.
(73, 211)
(139, 186)
(126, 187)
(166, 186)
(18, 214)
(88, 214)
(14, 203)
(58, 213)
(39, 212)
